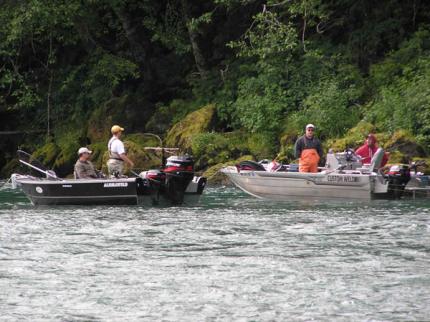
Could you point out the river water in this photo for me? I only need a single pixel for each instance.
(231, 258)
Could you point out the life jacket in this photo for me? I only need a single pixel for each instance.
(113, 155)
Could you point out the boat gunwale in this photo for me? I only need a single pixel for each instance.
(74, 181)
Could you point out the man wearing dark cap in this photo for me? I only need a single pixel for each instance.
(308, 149)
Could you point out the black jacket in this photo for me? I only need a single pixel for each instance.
(303, 143)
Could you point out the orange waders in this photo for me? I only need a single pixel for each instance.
(309, 160)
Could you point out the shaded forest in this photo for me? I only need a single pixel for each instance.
(71, 69)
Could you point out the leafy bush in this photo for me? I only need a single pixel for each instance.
(261, 103)
(332, 104)
(213, 148)
(403, 101)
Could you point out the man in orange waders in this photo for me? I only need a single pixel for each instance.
(308, 149)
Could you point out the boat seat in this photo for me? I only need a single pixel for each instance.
(375, 162)
(294, 167)
(250, 165)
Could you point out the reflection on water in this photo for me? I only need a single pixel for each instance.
(232, 257)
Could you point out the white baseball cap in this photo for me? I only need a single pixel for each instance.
(84, 150)
(310, 125)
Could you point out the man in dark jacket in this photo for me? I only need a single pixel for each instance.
(308, 149)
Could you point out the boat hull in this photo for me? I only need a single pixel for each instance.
(127, 191)
(295, 185)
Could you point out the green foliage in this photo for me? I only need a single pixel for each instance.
(195, 123)
(106, 71)
(213, 148)
(260, 103)
(402, 103)
(261, 91)
(269, 68)
(354, 138)
(47, 153)
(267, 37)
(402, 61)
(215, 176)
(171, 32)
(169, 114)
(329, 107)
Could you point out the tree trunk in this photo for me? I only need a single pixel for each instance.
(140, 45)
(132, 35)
(193, 35)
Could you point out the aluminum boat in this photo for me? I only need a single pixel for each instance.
(122, 191)
(174, 184)
(343, 177)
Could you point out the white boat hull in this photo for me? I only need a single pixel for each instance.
(292, 185)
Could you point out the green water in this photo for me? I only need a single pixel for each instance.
(231, 258)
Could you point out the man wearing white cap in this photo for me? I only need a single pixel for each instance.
(308, 149)
(117, 155)
(84, 169)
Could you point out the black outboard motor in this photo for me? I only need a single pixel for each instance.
(398, 177)
(179, 172)
(179, 163)
(155, 176)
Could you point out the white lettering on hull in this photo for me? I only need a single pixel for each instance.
(115, 184)
(343, 179)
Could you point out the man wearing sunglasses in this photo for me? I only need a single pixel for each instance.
(84, 169)
(308, 149)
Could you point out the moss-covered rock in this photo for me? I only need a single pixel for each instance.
(404, 142)
(60, 152)
(401, 145)
(354, 138)
(397, 157)
(289, 136)
(183, 132)
(213, 148)
(97, 157)
(47, 153)
(69, 144)
(166, 115)
(214, 175)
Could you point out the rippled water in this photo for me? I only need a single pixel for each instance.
(232, 257)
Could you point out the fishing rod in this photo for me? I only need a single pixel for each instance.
(47, 173)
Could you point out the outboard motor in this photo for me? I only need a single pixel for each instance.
(154, 175)
(179, 163)
(398, 177)
(179, 173)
